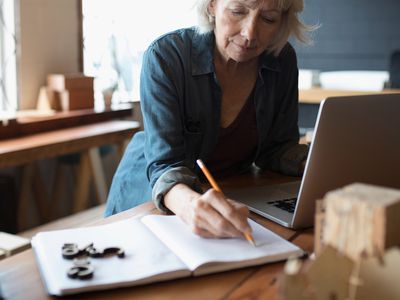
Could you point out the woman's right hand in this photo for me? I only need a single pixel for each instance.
(209, 215)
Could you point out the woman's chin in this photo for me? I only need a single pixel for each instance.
(242, 57)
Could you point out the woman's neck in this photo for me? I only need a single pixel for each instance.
(232, 67)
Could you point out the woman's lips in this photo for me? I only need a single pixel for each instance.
(245, 47)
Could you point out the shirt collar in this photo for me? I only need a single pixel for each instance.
(203, 55)
(270, 62)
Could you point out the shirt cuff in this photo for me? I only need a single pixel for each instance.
(168, 180)
(290, 161)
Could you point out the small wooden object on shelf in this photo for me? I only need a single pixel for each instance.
(79, 88)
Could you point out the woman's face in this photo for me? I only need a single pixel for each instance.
(244, 28)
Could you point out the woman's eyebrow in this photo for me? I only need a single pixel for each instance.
(272, 10)
(254, 4)
(248, 3)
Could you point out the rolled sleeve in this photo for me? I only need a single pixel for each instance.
(168, 180)
(168, 149)
(292, 158)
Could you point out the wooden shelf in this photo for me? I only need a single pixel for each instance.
(29, 124)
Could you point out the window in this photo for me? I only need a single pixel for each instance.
(8, 63)
(116, 33)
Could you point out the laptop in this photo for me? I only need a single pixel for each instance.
(356, 139)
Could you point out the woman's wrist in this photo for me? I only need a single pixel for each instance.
(178, 197)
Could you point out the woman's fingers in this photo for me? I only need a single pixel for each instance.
(241, 208)
(213, 213)
(209, 214)
(205, 217)
(203, 233)
(234, 212)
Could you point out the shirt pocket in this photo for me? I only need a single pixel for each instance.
(193, 137)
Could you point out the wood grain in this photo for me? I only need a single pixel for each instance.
(20, 279)
(22, 150)
(23, 125)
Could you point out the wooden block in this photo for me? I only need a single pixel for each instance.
(294, 282)
(11, 244)
(51, 99)
(61, 82)
(78, 99)
(362, 220)
(329, 275)
(379, 278)
(335, 276)
(79, 87)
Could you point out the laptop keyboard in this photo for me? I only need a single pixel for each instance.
(288, 205)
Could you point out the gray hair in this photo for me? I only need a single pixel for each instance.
(291, 23)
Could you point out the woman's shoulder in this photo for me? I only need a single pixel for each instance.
(175, 38)
(287, 52)
(287, 58)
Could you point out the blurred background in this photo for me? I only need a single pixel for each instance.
(355, 50)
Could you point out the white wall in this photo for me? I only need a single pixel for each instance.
(50, 43)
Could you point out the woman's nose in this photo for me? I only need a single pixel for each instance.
(249, 30)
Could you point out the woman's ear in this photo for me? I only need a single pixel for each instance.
(211, 8)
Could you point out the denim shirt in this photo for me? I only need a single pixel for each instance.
(181, 106)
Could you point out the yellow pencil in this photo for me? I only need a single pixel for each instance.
(215, 186)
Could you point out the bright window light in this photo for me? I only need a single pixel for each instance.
(8, 64)
(116, 33)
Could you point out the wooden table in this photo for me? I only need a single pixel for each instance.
(20, 279)
(25, 151)
(34, 121)
(316, 95)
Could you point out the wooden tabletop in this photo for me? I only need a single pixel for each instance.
(316, 95)
(20, 279)
(33, 121)
(21, 150)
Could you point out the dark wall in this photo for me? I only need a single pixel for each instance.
(354, 34)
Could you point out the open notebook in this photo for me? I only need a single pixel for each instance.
(157, 248)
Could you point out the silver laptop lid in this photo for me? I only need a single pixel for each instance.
(357, 139)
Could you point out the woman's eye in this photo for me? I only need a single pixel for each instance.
(268, 20)
(238, 12)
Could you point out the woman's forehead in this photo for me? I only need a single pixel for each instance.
(264, 4)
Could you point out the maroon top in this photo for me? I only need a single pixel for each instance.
(236, 144)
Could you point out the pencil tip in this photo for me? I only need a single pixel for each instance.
(250, 239)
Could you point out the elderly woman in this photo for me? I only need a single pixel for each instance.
(225, 92)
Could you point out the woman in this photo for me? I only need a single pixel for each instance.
(226, 93)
